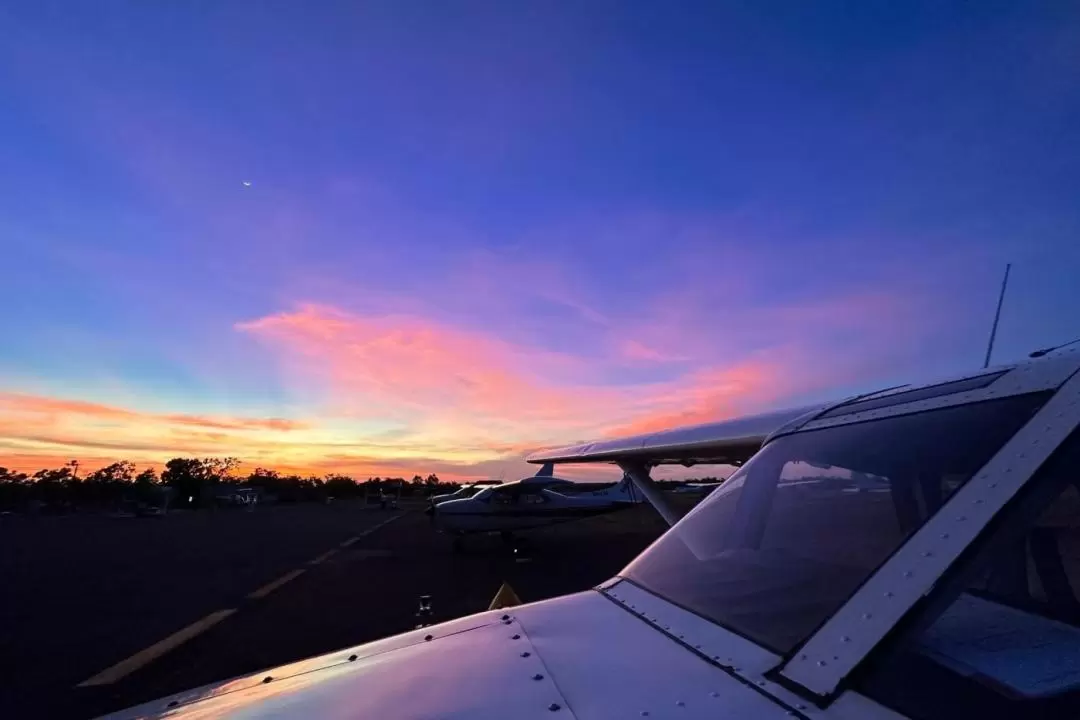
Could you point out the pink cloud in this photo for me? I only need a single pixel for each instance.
(638, 351)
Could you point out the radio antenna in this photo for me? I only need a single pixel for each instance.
(997, 316)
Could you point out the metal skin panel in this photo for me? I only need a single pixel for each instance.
(609, 664)
(735, 654)
(579, 656)
(313, 667)
(846, 638)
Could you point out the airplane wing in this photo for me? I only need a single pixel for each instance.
(730, 442)
(726, 442)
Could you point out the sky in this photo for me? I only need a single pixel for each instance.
(389, 238)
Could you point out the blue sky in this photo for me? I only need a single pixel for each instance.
(475, 228)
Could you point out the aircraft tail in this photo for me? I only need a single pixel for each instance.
(546, 470)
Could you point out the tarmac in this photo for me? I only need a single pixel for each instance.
(102, 613)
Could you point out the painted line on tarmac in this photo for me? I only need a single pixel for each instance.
(385, 522)
(125, 667)
(274, 585)
(324, 557)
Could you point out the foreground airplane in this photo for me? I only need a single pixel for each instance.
(913, 552)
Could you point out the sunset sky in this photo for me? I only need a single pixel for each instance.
(474, 229)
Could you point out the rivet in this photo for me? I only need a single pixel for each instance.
(821, 663)
(352, 658)
(944, 536)
(737, 669)
(800, 707)
(977, 501)
(866, 616)
(835, 657)
(761, 683)
(843, 638)
(888, 594)
(267, 679)
(506, 622)
(682, 637)
(553, 707)
(505, 617)
(908, 573)
(644, 713)
(538, 676)
(680, 703)
(714, 694)
(993, 484)
(697, 647)
(512, 637)
(428, 637)
(803, 656)
(927, 553)
(960, 518)
(526, 654)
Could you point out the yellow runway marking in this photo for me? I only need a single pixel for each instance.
(125, 667)
(272, 586)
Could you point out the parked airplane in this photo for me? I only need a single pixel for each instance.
(696, 488)
(533, 502)
(947, 590)
(465, 491)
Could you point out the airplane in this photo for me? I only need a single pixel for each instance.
(533, 502)
(696, 487)
(465, 491)
(782, 594)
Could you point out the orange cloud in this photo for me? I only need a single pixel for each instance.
(20, 403)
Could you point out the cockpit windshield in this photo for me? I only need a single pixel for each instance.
(780, 546)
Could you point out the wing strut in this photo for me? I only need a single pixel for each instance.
(639, 476)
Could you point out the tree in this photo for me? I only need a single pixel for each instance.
(193, 478)
(432, 480)
(118, 472)
(146, 477)
(341, 486)
(14, 488)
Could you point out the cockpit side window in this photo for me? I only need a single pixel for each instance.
(1007, 644)
(780, 546)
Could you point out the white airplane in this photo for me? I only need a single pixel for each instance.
(465, 491)
(538, 501)
(783, 594)
(696, 487)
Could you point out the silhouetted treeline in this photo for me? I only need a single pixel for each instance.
(190, 482)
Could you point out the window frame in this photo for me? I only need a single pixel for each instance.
(820, 667)
(1010, 525)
